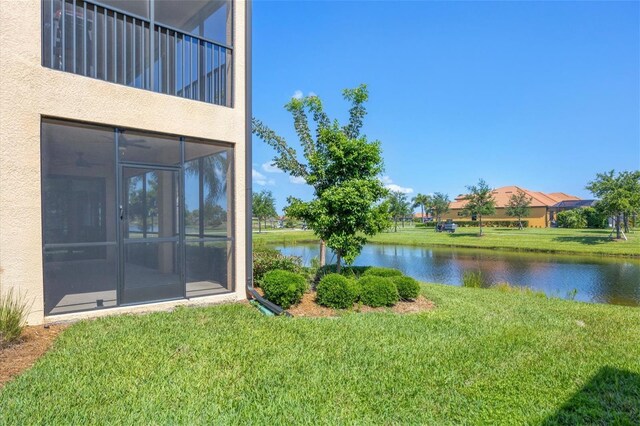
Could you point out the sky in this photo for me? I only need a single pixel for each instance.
(541, 95)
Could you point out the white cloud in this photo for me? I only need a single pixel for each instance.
(298, 94)
(297, 180)
(388, 183)
(261, 179)
(397, 188)
(312, 94)
(386, 180)
(270, 168)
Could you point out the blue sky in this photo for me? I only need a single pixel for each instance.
(542, 95)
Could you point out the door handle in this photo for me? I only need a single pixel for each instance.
(121, 213)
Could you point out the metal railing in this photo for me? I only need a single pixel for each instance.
(95, 41)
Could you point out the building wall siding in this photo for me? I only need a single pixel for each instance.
(29, 91)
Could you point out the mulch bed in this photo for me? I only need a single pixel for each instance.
(20, 356)
(309, 308)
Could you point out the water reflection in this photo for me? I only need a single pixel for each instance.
(586, 278)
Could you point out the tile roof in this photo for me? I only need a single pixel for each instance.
(502, 195)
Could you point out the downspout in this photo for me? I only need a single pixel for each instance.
(251, 291)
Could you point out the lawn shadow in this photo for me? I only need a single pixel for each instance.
(612, 396)
(582, 239)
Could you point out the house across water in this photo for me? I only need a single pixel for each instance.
(542, 211)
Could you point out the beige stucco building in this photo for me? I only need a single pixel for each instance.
(123, 144)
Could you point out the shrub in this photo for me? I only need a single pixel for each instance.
(472, 279)
(571, 219)
(594, 217)
(376, 291)
(347, 271)
(408, 288)
(267, 259)
(492, 223)
(336, 291)
(284, 288)
(13, 311)
(382, 272)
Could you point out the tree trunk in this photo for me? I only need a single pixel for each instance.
(395, 222)
(625, 221)
(480, 218)
(323, 257)
(519, 222)
(338, 261)
(259, 226)
(618, 236)
(422, 210)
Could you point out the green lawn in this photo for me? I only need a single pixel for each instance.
(481, 357)
(553, 240)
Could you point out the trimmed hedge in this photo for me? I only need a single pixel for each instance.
(408, 288)
(382, 272)
(347, 271)
(492, 223)
(267, 259)
(376, 291)
(284, 288)
(336, 291)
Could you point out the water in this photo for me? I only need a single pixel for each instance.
(585, 278)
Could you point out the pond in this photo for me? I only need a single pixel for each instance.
(586, 278)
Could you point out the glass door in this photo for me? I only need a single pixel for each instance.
(150, 235)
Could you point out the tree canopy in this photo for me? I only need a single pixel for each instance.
(518, 205)
(341, 165)
(619, 195)
(480, 201)
(399, 206)
(440, 205)
(263, 206)
(423, 201)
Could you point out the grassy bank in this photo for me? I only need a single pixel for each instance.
(482, 356)
(548, 240)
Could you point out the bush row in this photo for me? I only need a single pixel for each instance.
(488, 223)
(376, 287)
(584, 217)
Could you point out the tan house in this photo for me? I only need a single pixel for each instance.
(123, 133)
(540, 212)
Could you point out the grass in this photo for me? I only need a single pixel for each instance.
(548, 240)
(481, 357)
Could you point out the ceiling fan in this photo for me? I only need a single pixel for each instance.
(123, 142)
(82, 162)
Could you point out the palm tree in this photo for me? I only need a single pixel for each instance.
(422, 201)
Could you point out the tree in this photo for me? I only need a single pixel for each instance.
(422, 201)
(398, 207)
(518, 205)
(480, 201)
(263, 206)
(342, 166)
(619, 195)
(439, 205)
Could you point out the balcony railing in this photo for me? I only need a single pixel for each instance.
(95, 41)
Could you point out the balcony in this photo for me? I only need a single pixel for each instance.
(113, 45)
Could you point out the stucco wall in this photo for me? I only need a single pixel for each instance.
(29, 91)
(536, 216)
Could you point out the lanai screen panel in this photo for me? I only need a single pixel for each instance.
(79, 224)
